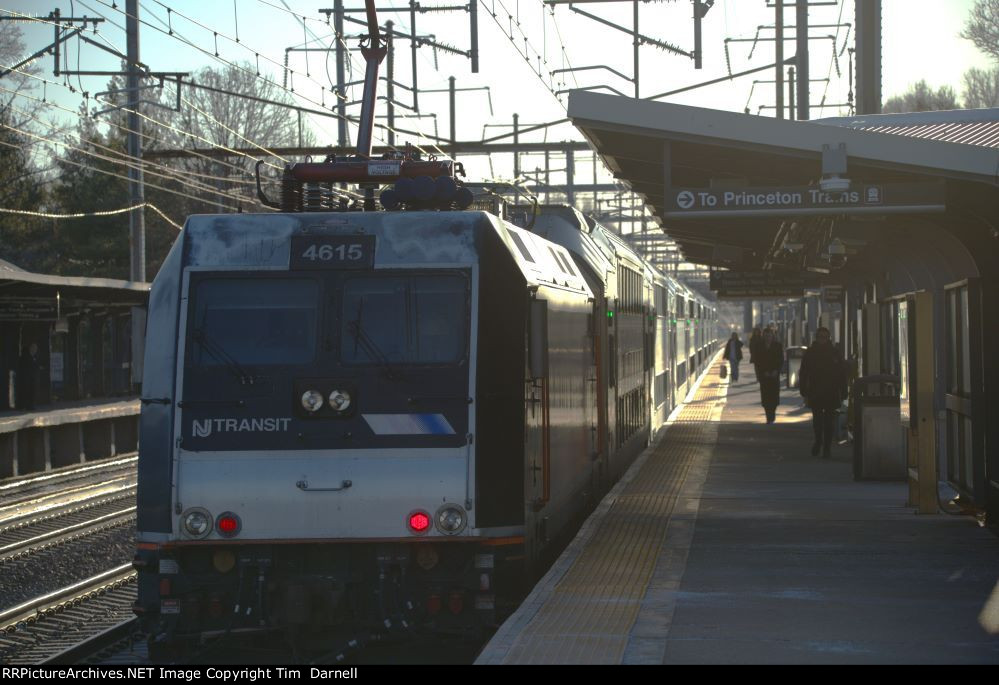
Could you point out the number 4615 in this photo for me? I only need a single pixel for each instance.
(325, 253)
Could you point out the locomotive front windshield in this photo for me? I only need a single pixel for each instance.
(255, 321)
(415, 319)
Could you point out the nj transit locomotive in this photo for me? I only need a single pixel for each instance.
(357, 423)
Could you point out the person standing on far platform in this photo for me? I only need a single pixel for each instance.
(27, 377)
(822, 381)
(769, 360)
(755, 340)
(733, 353)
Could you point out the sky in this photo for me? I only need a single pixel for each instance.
(920, 41)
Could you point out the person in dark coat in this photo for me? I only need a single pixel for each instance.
(769, 360)
(755, 340)
(733, 353)
(822, 381)
(27, 377)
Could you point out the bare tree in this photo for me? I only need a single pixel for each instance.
(217, 114)
(981, 88)
(16, 110)
(922, 98)
(982, 27)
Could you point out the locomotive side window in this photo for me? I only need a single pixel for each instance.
(405, 319)
(254, 321)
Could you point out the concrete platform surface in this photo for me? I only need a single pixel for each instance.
(76, 411)
(771, 555)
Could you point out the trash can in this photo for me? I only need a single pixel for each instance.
(878, 452)
(794, 357)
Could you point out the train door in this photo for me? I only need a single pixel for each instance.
(672, 356)
(537, 448)
(649, 336)
(598, 394)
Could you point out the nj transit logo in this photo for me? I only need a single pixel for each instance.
(205, 428)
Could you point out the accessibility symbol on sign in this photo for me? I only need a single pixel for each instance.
(685, 200)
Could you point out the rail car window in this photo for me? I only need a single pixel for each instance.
(519, 242)
(254, 321)
(404, 320)
(630, 289)
(567, 261)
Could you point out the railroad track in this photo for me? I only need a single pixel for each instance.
(58, 492)
(72, 622)
(35, 534)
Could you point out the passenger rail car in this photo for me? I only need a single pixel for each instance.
(357, 423)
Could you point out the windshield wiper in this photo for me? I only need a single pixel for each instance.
(369, 346)
(218, 353)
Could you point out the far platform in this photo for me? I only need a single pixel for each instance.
(727, 542)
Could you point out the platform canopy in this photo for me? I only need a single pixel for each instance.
(751, 192)
(28, 296)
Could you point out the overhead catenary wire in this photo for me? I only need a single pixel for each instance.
(338, 38)
(213, 160)
(111, 173)
(203, 113)
(87, 215)
(147, 163)
(834, 59)
(173, 33)
(158, 122)
(509, 34)
(129, 161)
(126, 129)
(132, 164)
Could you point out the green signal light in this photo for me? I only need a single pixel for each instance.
(610, 315)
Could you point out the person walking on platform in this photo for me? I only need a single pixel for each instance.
(755, 340)
(822, 381)
(733, 353)
(769, 360)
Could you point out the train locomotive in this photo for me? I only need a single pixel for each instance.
(364, 424)
(359, 423)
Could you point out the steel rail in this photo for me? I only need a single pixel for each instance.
(33, 608)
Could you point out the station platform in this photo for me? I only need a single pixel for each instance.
(727, 542)
(67, 433)
(70, 411)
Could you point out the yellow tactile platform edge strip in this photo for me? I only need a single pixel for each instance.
(585, 607)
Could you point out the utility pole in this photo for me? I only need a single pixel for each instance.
(790, 95)
(341, 89)
(453, 133)
(868, 37)
(635, 45)
(801, 31)
(390, 83)
(136, 218)
(516, 140)
(779, 6)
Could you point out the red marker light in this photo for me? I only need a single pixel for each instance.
(434, 605)
(419, 521)
(228, 525)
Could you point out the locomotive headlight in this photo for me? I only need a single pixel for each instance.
(450, 519)
(197, 523)
(340, 400)
(312, 401)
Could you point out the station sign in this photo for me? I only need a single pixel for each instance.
(28, 311)
(832, 294)
(860, 198)
(759, 285)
